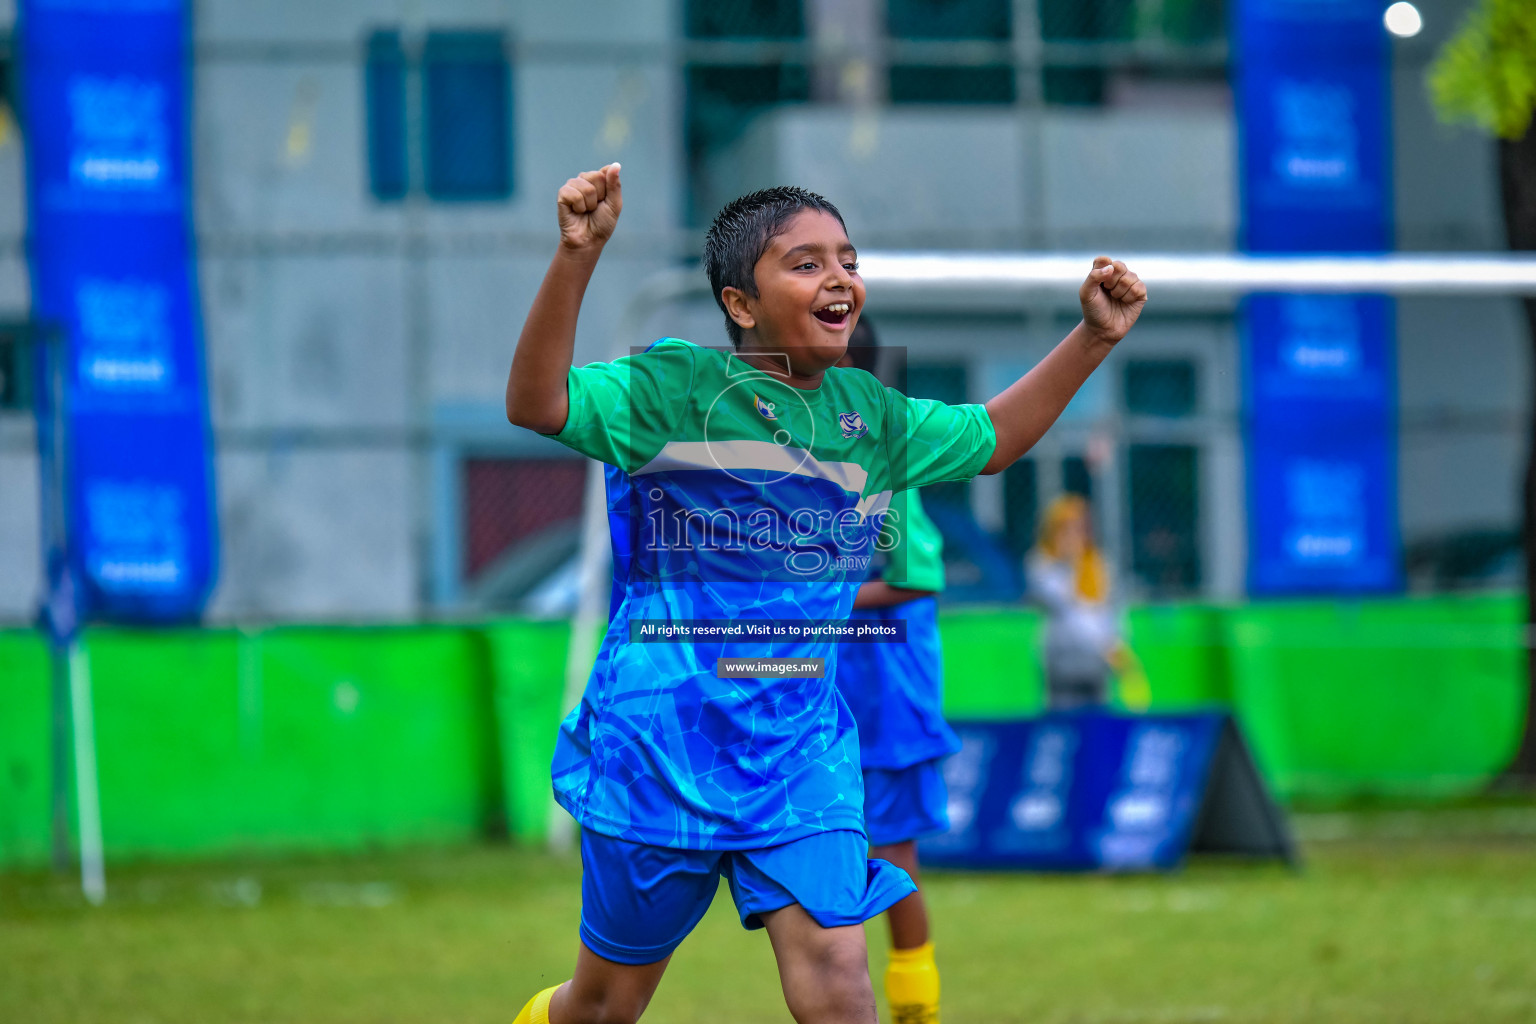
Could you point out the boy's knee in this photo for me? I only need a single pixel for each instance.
(838, 987)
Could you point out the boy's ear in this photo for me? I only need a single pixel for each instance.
(737, 308)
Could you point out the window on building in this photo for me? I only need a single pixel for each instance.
(522, 518)
(721, 100)
(1077, 476)
(745, 19)
(989, 20)
(384, 85)
(1021, 506)
(1187, 21)
(1160, 387)
(464, 139)
(467, 108)
(1164, 507)
(1081, 21)
(15, 395)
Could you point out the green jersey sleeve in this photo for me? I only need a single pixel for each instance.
(930, 442)
(624, 412)
(914, 546)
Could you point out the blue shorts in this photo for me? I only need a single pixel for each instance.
(905, 803)
(639, 902)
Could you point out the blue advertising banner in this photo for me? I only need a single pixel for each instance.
(1077, 792)
(1320, 377)
(105, 87)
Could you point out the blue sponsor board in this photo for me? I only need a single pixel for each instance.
(1095, 791)
(106, 110)
(1311, 79)
(1320, 381)
(1320, 387)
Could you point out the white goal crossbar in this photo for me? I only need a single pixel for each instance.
(1220, 274)
(1008, 275)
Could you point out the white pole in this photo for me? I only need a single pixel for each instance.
(93, 877)
(1207, 273)
(591, 613)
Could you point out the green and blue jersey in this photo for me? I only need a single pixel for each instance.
(734, 497)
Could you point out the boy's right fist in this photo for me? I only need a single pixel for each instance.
(589, 206)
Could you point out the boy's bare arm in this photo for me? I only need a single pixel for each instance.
(588, 207)
(880, 594)
(1112, 298)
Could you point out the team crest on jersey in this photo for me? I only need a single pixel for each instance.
(766, 408)
(853, 424)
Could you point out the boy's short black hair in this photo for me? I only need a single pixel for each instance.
(740, 235)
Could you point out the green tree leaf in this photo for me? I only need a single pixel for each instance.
(1486, 73)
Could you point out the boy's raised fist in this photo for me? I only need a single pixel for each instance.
(1112, 298)
(589, 206)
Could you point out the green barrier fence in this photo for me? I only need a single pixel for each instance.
(318, 738)
(1407, 698)
(211, 741)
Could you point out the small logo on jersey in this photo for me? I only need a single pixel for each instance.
(766, 408)
(852, 423)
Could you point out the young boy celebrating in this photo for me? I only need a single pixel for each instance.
(894, 693)
(754, 486)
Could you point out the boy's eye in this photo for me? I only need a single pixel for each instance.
(806, 266)
(851, 267)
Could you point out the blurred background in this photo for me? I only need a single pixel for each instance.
(372, 184)
(380, 659)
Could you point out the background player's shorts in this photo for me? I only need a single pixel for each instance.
(905, 803)
(639, 902)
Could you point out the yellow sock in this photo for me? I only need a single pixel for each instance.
(537, 1010)
(912, 986)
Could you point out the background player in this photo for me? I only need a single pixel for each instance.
(894, 693)
(677, 777)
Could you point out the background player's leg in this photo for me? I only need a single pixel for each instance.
(909, 918)
(603, 992)
(912, 977)
(824, 971)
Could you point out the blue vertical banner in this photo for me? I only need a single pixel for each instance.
(106, 111)
(1320, 390)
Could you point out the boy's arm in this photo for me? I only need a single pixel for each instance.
(588, 207)
(1112, 298)
(880, 594)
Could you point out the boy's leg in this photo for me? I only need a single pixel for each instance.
(899, 805)
(600, 992)
(637, 903)
(911, 977)
(909, 918)
(814, 895)
(824, 971)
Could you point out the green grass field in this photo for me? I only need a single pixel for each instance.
(1387, 926)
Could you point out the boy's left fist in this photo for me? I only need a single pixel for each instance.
(1112, 298)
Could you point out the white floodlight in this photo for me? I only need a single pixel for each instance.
(1403, 20)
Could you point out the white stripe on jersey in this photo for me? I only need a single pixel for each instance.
(760, 455)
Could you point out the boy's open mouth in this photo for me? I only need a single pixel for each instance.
(834, 314)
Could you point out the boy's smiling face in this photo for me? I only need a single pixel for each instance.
(809, 295)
